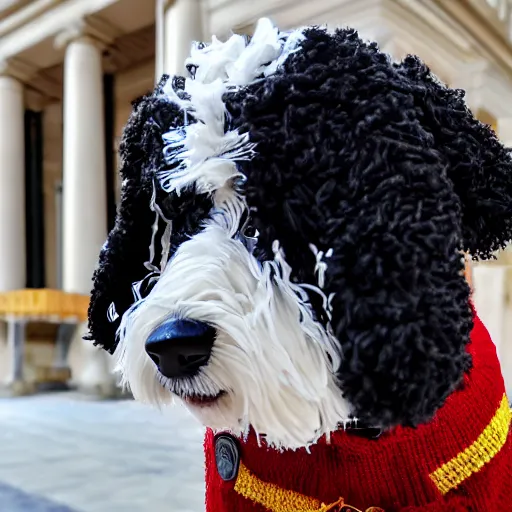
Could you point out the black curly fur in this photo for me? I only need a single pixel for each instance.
(372, 159)
(346, 160)
(121, 262)
(477, 163)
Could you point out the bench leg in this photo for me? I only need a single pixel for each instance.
(61, 371)
(65, 335)
(16, 342)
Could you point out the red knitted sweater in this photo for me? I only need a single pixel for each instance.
(460, 461)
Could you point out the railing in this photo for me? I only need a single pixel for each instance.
(44, 304)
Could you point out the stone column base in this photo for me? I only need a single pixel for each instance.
(53, 378)
(17, 388)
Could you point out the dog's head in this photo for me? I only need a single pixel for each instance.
(288, 251)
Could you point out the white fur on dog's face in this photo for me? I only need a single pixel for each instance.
(273, 365)
(273, 361)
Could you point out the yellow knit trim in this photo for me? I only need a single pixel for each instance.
(447, 477)
(271, 496)
(472, 459)
(276, 499)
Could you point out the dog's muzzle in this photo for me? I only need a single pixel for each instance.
(180, 347)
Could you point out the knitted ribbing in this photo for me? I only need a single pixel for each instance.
(462, 458)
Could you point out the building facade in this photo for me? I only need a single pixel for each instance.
(69, 71)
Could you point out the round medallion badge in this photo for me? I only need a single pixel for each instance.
(227, 456)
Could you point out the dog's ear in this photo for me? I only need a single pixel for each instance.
(350, 159)
(437, 182)
(121, 261)
(478, 165)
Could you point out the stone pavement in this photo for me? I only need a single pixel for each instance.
(64, 453)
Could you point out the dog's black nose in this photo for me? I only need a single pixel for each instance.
(180, 347)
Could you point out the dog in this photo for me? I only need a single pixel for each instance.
(288, 261)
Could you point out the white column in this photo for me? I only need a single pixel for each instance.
(183, 24)
(493, 289)
(489, 299)
(504, 130)
(12, 185)
(84, 199)
(84, 182)
(506, 346)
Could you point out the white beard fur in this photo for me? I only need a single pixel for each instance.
(274, 362)
(276, 369)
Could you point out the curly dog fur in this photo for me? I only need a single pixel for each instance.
(342, 154)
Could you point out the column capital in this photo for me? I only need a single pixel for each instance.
(18, 69)
(95, 30)
(39, 91)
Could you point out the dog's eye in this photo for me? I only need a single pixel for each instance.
(249, 237)
(147, 286)
(250, 231)
(192, 68)
(143, 288)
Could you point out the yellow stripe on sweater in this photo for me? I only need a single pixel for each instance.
(276, 499)
(472, 459)
(272, 497)
(446, 478)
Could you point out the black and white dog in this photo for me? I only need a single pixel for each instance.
(287, 254)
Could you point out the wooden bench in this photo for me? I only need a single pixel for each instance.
(40, 316)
